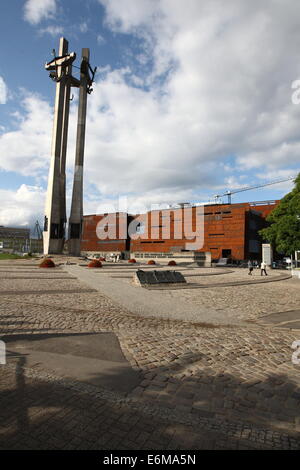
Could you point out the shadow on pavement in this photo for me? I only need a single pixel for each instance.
(40, 414)
(93, 358)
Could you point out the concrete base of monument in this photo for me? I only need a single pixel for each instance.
(92, 358)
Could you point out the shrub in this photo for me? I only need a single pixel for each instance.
(172, 263)
(95, 263)
(47, 263)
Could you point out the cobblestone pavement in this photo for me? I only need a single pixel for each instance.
(249, 302)
(202, 386)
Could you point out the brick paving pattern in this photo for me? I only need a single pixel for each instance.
(202, 386)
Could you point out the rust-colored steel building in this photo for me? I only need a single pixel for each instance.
(230, 230)
(116, 239)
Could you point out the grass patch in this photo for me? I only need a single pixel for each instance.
(12, 256)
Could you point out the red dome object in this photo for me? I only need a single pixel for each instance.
(151, 261)
(132, 260)
(172, 263)
(47, 263)
(95, 263)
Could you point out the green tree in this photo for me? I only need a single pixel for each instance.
(284, 231)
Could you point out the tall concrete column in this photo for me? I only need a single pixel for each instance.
(52, 234)
(63, 153)
(76, 214)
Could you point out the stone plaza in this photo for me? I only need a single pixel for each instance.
(104, 364)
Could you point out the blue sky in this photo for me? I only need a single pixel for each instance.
(191, 99)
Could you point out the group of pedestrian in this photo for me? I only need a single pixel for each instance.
(263, 268)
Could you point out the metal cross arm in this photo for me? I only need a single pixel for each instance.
(62, 61)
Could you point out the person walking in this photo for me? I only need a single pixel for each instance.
(250, 267)
(263, 268)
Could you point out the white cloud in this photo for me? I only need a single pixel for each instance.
(100, 40)
(124, 17)
(83, 27)
(52, 30)
(27, 149)
(3, 91)
(38, 10)
(21, 207)
(220, 87)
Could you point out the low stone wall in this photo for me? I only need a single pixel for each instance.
(201, 259)
(102, 254)
(189, 257)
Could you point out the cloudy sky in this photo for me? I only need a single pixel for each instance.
(192, 97)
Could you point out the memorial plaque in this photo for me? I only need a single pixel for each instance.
(144, 278)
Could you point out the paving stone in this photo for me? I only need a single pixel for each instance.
(237, 374)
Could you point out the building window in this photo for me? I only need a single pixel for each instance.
(226, 253)
(254, 246)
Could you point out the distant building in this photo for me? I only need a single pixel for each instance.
(14, 239)
(230, 231)
(36, 245)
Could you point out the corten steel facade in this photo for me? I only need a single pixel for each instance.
(90, 241)
(230, 231)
